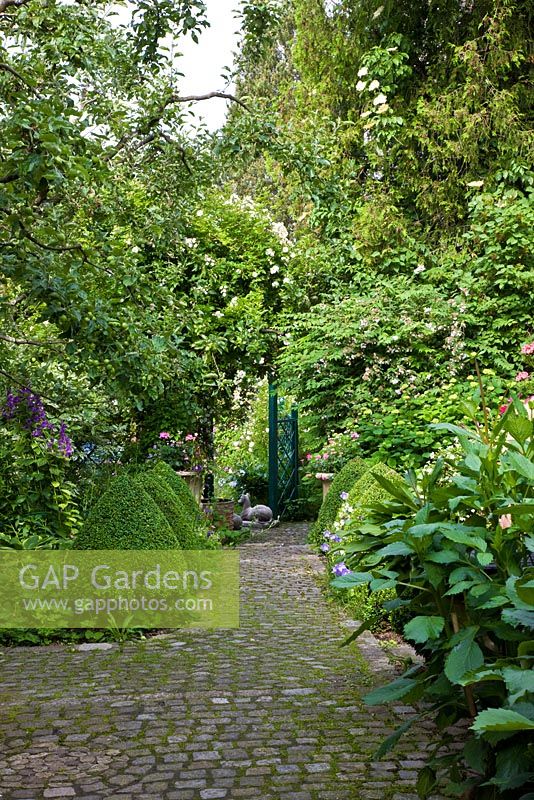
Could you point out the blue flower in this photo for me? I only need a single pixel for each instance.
(340, 569)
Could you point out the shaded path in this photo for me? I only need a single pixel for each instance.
(270, 710)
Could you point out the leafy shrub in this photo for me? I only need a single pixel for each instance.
(343, 482)
(125, 517)
(367, 606)
(183, 493)
(186, 532)
(458, 553)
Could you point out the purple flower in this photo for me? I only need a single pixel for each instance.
(340, 569)
(325, 547)
(344, 495)
(326, 534)
(336, 538)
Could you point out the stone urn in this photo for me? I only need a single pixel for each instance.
(326, 479)
(195, 481)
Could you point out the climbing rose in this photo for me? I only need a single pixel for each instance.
(164, 435)
(522, 376)
(528, 349)
(505, 521)
(340, 569)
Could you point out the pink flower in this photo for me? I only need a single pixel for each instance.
(189, 438)
(503, 409)
(308, 456)
(354, 435)
(325, 456)
(522, 376)
(164, 435)
(505, 521)
(528, 349)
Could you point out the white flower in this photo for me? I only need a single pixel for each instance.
(374, 85)
(475, 184)
(360, 86)
(362, 72)
(378, 12)
(274, 269)
(135, 249)
(419, 268)
(190, 242)
(366, 114)
(200, 213)
(380, 100)
(269, 252)
(382, 109)
(218, 314)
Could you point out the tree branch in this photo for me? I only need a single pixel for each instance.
(17, 75)
(197, 97)
(62, 248)
(153, 121)
(12, 340)
(9, 178)
(16, 382)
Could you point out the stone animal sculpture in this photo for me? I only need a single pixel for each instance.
(237, 522)
(252, 513)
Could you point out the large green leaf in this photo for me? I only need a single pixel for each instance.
(395, 549)
(393, 691)
(518, 682)
(501, 719)
(519, 618)
(389, 743)
(351, 580)
(463, 658)
(396, 490)
(524, 466)
(426, 781)
(443, 556)
(518, 427)
(512, 768)
(421, 629)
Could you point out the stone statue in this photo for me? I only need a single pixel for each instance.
(252, 513)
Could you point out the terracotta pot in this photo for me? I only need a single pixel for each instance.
(221, 513)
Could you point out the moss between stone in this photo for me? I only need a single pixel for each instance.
(343, 482)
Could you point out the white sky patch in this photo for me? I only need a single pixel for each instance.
(202, 64)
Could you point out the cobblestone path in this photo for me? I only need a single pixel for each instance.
(271, 710)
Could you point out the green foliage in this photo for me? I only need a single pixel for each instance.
(342, 482)
(126, 518)
(183, 523)
(367, 489)
(182, 492)
(456, 551)
(38, 500)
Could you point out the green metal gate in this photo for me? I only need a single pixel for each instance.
(283, 455)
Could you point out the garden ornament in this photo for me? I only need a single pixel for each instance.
(252, 513)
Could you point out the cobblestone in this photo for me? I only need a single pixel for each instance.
(271, 710)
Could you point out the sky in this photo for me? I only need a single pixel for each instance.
(202, 63)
